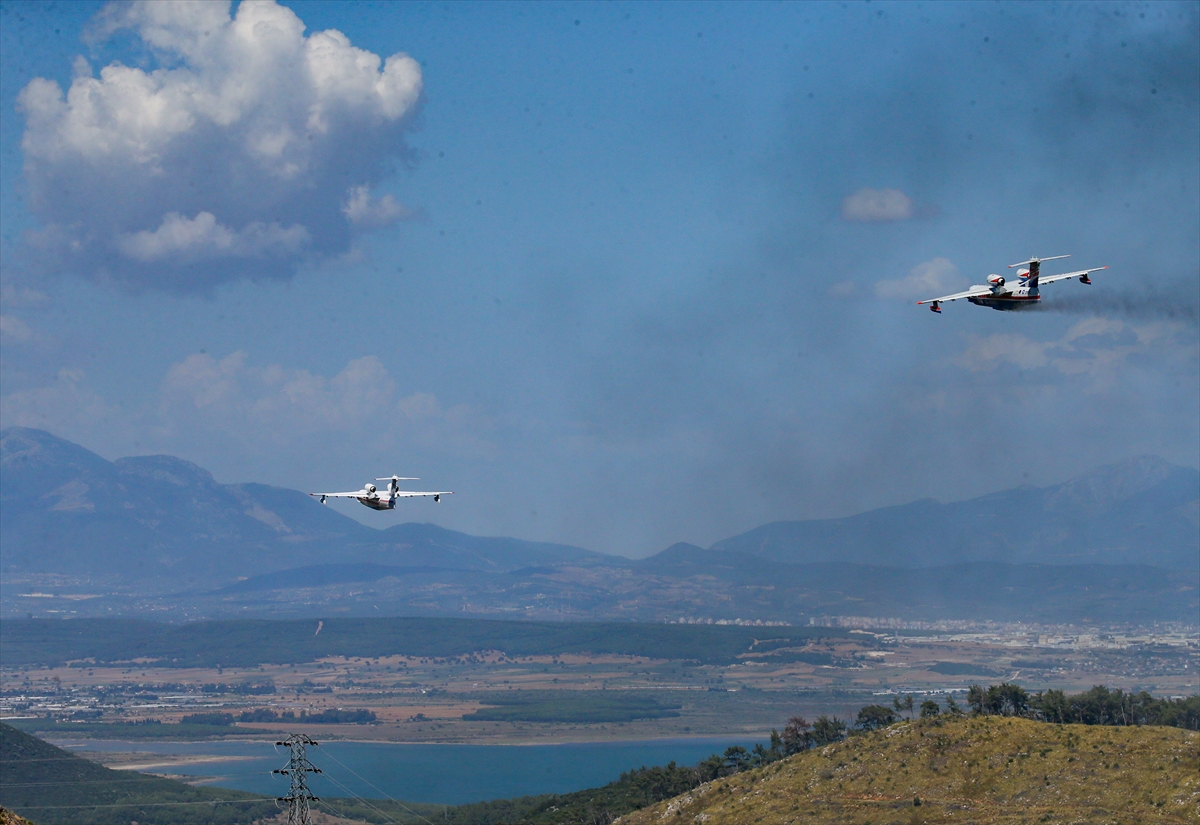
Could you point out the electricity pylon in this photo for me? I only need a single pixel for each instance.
(298, 768)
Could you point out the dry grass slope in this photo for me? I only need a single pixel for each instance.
(984, 770)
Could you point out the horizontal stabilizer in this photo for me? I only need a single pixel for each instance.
(1038, 260)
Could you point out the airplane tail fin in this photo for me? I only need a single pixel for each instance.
(1030, 276)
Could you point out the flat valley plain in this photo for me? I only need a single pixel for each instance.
(582, 697)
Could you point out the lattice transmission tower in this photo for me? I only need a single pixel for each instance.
(297, 770)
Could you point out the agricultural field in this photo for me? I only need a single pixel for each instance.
(743, 681)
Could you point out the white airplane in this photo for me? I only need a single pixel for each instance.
(1025, 294)
(370, 497)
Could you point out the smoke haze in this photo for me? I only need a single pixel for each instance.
(1145, 304)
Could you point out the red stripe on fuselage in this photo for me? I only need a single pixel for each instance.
(1004, 301)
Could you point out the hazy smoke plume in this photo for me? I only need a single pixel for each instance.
(1145, 305)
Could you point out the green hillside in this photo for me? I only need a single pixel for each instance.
(49, 786)
(969, 770)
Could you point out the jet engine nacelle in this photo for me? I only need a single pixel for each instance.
(995, 280)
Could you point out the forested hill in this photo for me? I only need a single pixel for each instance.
(1141, 511)
(47, 784)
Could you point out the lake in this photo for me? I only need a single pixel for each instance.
(445, 774)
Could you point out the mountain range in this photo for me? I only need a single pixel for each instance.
(1139, 511)
(64, 509)
(157, 533)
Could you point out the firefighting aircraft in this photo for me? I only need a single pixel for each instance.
(998, 294)
(370, 497)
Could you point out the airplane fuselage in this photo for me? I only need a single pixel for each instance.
(1017, 299)
(377, 503)
(1023, 295)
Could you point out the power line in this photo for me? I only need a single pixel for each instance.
(138, 777)
(81, 782)
(70, 758)
(299, 797)
(365, 782)
(257, 801)
(361, 799)
(338, 811)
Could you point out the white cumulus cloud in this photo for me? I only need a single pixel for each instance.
(67, 407)
(250, 406)
(925, 280)
(1094, 349)
(875, 205)
(179, 238)
(14, 328)
(276, 404)
(240, 149)
(361, 209)
(285, 399)
(12, 295)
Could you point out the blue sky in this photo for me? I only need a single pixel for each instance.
(619, 274)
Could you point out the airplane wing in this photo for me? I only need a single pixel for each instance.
(355, 494)
(973, 291)
(1083, 273)
(408, 494)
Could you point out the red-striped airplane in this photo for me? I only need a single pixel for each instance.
(997, 294)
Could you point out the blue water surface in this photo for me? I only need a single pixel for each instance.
(444, 774)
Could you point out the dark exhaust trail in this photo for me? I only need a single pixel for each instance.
(1149, 305)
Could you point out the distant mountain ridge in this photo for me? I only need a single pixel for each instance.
(64, 509)
(156, 534)
(1139, 511)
